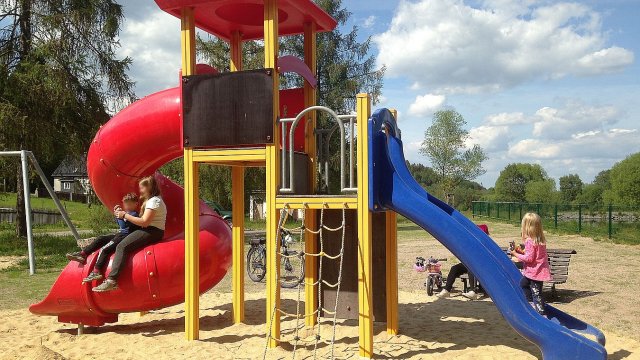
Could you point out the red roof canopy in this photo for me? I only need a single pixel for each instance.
(222, 17)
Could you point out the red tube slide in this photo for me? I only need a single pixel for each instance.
(133, 144)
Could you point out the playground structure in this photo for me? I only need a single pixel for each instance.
(242, 119)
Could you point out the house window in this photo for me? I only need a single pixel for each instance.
(66, 185)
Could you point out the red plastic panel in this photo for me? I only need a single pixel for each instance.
(291, 104)
(222, 17)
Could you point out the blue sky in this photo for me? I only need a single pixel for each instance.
(551, 82)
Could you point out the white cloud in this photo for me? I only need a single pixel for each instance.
(534, 149)
(455, 47)
(153, 42)
(369, 22)
(572, 119)
(490, 138)
(593, 146)
(426, 104)
(514, 118)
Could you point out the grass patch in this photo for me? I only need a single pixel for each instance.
(81, 214)
(49, 250)
(18, 288)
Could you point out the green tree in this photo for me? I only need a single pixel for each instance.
(603, 179)
(58, 69)
(424, 175)
(570, 187)
(625, 181)
(593, 194)
(444, 145)
(513, 179)
(541, 191)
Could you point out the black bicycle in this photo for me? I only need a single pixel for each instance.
(292, 262)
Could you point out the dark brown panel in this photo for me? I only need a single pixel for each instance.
(348, 300)
(228, 109)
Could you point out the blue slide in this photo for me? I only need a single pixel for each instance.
(391, 187)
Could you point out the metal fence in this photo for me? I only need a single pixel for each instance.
(38, 217)
(612, 221)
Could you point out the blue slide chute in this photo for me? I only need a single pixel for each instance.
(558, 335)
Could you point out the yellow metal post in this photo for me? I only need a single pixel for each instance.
(236, 51)
(273, 260)
(392, 266)
(237, 206)
(191, 197)
(237, 214)
(310, 217)
(365, 257)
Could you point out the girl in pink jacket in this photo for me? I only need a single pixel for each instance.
(534, 259)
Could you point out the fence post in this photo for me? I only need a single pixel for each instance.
(538, 210)
(610, 220)
(489, 210)
(520, 210)
(555, 216)
(579, 218)
(509, 208)
(498, 210)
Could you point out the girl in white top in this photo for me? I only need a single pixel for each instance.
(153, 215)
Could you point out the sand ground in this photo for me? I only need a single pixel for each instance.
(603, 288)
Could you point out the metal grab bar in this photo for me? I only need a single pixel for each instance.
(288, 182)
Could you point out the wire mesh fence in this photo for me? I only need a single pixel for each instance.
(619, 223)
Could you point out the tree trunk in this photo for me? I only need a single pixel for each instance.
(24, 22)
(21, 221)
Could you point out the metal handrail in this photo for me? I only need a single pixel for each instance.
(287, 182)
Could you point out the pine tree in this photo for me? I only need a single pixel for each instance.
(59, 76)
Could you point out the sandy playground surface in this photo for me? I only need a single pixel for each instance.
(454, 328)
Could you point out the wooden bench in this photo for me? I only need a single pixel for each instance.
(559, 260)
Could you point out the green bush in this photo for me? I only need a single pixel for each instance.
(100, 219)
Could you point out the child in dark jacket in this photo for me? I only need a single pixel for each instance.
(106, 244)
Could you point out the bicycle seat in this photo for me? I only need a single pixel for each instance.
(259, 241)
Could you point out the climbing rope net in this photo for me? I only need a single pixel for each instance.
(321, 312)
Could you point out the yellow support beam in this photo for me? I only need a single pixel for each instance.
(237, 214)
(237, 206)
(316, 203)
(365, 256)
(249, 155)
(273, 261)
(310, 218)
(191, 196)
(392, 266)
(236, 52)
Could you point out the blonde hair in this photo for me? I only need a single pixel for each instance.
(154, 190)
(532, 228)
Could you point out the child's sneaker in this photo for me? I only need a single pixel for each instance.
(93, 276)
(107, 285)
(443, 294)
(471, 295)
(77, 256)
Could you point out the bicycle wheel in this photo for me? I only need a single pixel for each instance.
(292, 269)
(430, 283)
(256, 264)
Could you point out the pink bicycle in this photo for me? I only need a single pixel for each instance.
(432, 267)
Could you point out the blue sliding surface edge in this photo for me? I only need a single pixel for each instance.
(391, 187)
